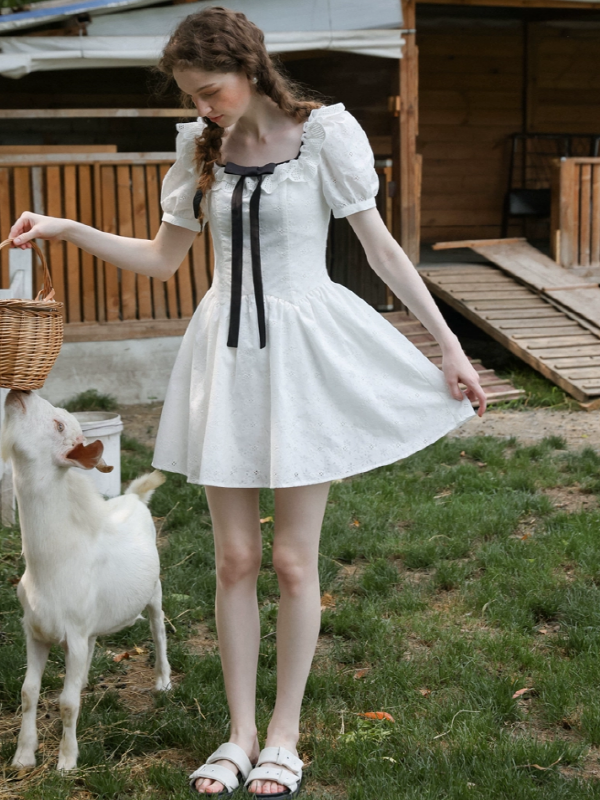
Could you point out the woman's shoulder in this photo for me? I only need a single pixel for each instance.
(187, 133)
(334, 125)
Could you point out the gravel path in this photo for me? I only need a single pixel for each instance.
(578, 428)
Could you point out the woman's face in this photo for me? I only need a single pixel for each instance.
(223, 97)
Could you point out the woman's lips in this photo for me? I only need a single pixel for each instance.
(215, 119)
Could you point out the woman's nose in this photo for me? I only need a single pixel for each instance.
(203, 108)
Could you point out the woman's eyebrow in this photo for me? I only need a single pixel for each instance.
(202, 88)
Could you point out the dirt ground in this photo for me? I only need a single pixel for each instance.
(579, 428)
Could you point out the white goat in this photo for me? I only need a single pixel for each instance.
(91, 564)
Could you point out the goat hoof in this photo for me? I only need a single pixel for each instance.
(163, 684)
(66, 764)
(23, 759)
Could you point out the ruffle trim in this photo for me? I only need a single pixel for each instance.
(298, 169)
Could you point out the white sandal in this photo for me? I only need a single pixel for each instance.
(289, 775)
(216, 772)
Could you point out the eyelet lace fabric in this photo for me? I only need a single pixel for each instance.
(337, 390)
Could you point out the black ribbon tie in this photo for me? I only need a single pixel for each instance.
(237, 249)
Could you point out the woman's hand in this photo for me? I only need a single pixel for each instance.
(36, 226)
(458, 369)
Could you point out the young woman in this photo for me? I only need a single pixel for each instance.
(284, 379)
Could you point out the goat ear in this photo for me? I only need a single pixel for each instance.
(88, 456)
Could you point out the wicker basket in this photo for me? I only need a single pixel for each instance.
(31, 335)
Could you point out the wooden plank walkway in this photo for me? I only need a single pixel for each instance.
(496, 389)
(551, 339)
(531, 267)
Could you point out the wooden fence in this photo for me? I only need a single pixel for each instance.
(575, 217)
(118, 193)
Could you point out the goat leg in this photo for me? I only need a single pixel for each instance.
(37, 655)
(76, 663)
(157, 626)
(91, 646)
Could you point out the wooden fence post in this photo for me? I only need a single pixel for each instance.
(409, 130)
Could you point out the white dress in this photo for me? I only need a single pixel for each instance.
(334, 389)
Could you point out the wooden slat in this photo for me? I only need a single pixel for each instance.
(140, 231)
(153, 193)
(72, 254)
(542, 312)
(595, 221)
(530, 266)
(496, 389)
(534, 333)
(199, 260)
(125, 222)
(86, 216)
(585, 200)
(109, 224)
(569, 212)
(544, 348)
(56, 249)
(559, 341)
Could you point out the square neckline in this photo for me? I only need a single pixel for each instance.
(256, 166)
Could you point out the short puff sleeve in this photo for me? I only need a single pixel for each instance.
(180, 183)
(349, 180)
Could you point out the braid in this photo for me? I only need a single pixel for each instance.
(221, 40)
(208, 151)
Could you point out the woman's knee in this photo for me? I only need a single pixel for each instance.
(236, 565)
(295, 570)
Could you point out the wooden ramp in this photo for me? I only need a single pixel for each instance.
(557, 341)
(496, 389)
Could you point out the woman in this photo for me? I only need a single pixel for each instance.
(284, 379)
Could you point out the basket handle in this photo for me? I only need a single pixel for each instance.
(46, 293)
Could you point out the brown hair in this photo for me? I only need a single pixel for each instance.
(221, 40)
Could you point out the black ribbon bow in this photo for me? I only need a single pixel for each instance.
(237, 249)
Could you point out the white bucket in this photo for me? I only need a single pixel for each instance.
(106, 426)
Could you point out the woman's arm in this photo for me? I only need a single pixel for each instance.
(158, 258)
(391, 263)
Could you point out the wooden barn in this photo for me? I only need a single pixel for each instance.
(469, 106)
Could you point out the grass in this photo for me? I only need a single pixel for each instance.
(90, 400)
(450, 581)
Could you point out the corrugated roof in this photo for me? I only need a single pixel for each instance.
(52, 12)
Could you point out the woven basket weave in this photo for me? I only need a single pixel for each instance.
(31, 335)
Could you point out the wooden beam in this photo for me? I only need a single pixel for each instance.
(408, 132)
(39, 159)
(475, 243)
(123, 329)
(62, 113)
(593, 5)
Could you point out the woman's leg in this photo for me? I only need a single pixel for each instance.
(238, 550)
(299, 515)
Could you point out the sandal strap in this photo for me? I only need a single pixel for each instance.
(280, 775)
(216, 772)
(283, 757)
(234, 753)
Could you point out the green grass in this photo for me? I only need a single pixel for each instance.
(90, 400)
(453, 582)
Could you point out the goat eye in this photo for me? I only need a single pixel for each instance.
(60, 427)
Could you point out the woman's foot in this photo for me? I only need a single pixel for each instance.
(249, 745)
(270, 787)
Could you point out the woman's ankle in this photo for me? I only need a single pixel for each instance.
(282, 737)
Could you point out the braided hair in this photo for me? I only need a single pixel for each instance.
(221, 40)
